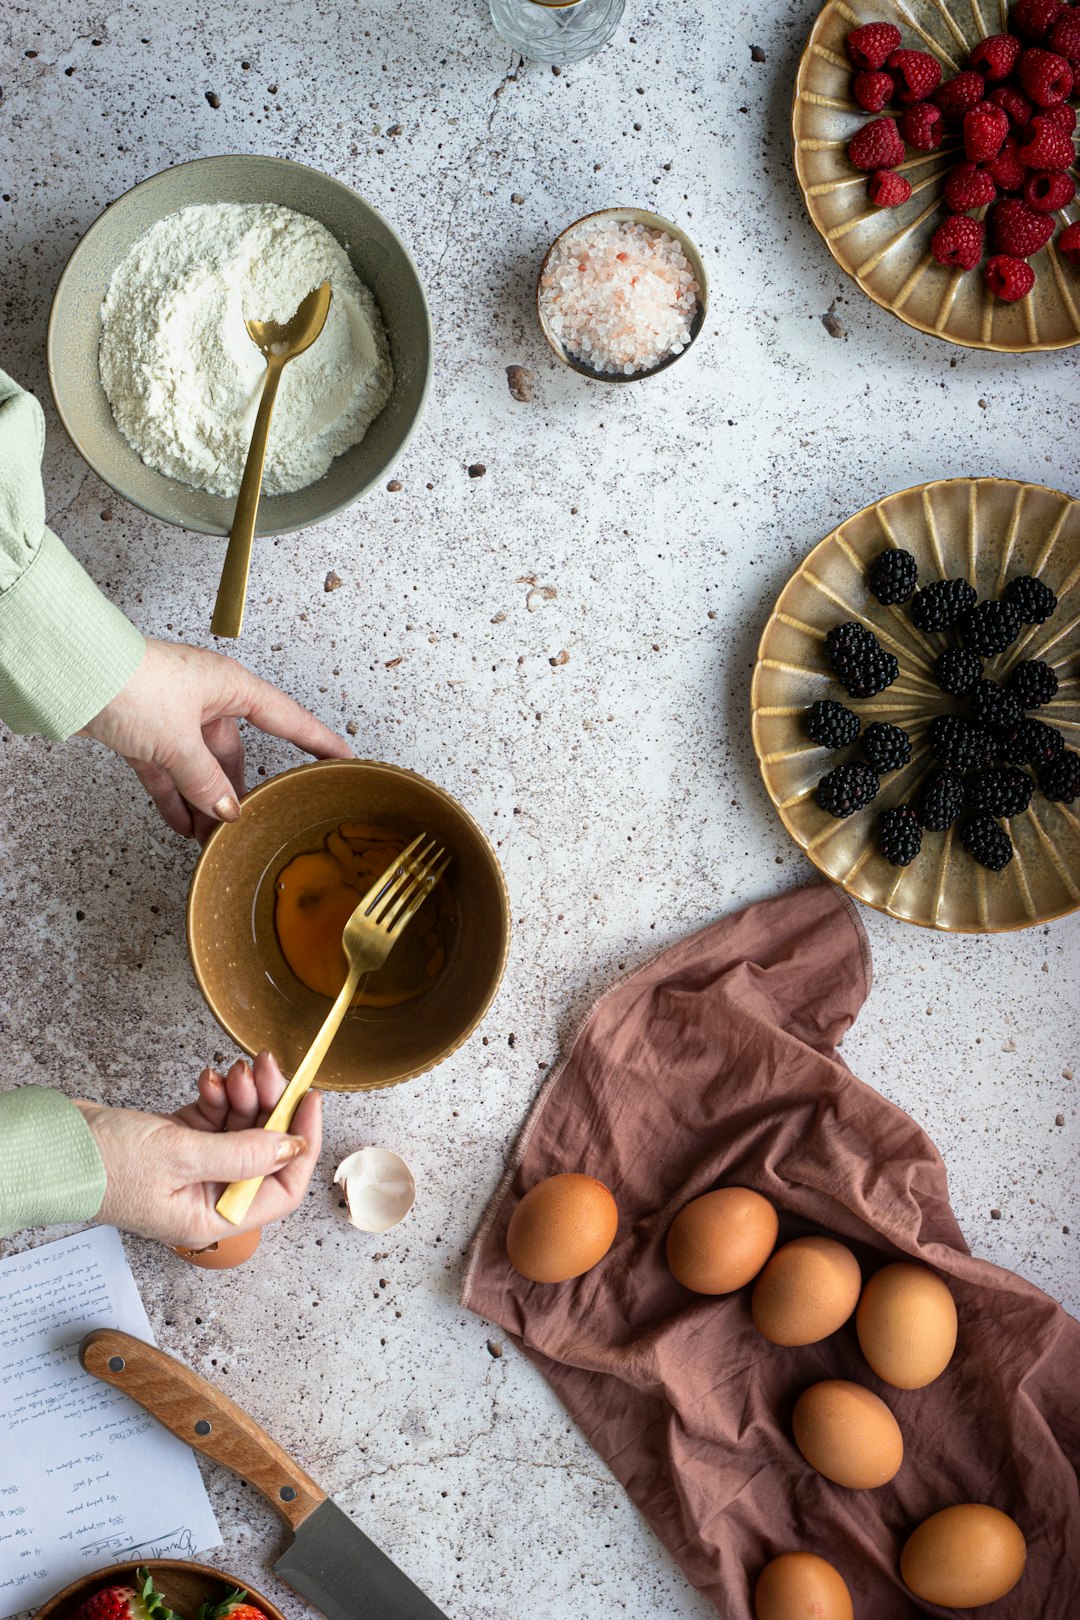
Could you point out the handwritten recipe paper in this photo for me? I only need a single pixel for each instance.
(87, 1477)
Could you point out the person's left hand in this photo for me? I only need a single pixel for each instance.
(175, 722)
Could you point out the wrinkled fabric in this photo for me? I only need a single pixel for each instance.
(714, 1065)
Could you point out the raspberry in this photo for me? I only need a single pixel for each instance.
(985, 129)
(1007, 171)
(958, 95)
(1065, 37)
(957, 671)
(1068, 243)
(988, 842)
(996, 56)
(899, 835)
(1046, 77)
(1016, 107)
(869, 46)
(1007, 278)
(917, 75)
(1033, 683)
(1018, 230)
(968, 186)
(991, 705)
(941, 800)
(959, 240)
(873, 91)
(922, 126)
(1032, 743)
(1033, 19)
(1047, 190)
(877, 145)
(887, 189)
(1060, 779)
(846, 789)
(1063, 116)
(1032, 599)
(1045, 145)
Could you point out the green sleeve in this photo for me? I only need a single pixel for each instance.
(50, 1168)
(65, 650)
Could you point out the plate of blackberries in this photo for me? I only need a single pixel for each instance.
(916, 705)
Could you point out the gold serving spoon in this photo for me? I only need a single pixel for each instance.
(280, 342)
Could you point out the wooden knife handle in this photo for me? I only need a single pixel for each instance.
(202, 1416)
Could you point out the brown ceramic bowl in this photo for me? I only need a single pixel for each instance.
(238, 963)
(183, 1586)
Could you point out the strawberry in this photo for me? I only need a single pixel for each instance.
(1065, 37)
(126, 1602)
(877, 146)
(873, 91)
(887, 189)
(1047, 190)
(1046, 77)
(996, 56)
(1009, 278)
(1062, 115)
(917, 75)
(1007, 171)
(1068, 243)
(1018, 230)
(968, 186)
(1033, 19)
(958, 241)
(234, 1606)
(1016, 106)
(985, 129)
(923, 126)
(869, 46)
(1046, 146)
(959, 94)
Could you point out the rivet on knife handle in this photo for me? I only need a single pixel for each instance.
(202, 1416)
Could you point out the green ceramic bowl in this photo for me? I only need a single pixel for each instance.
(380, 259)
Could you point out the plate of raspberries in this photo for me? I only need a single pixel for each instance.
(935, 147)
(916, 705)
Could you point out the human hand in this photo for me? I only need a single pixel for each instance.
(164, 1174)
(175, 722)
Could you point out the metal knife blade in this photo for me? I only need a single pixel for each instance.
(336, 1569)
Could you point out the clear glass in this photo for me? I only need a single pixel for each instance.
(556, 33)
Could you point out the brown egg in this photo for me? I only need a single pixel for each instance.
(808, 1289)
(721, 1240)
(801, 1586)
(906, 1322)
(964, 1556)
(561, 1228)
(848, 1434)
(225, 1253)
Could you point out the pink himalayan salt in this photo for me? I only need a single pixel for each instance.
(619, 296)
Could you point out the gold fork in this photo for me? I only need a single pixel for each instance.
(370, 934)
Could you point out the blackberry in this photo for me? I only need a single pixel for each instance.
(1060, 779)
(1002, 793)
(893, 576)
(942, 800)
(830, 724)
(846, 789)
(941, 605)
(1033, 600)
(899, 835)
(990, 844)
(957, 671)
(1033, 683)
(885, 747)
(959, 744)
(862, 665)
(990, 627)
(1032, 742)
(993, 706)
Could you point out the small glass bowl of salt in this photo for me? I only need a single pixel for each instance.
(621, 294)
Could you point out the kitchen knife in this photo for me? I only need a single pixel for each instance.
(330, 1561)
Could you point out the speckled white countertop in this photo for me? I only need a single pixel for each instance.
(619, 786)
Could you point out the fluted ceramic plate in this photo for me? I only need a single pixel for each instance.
(989, 530)
(887, 250)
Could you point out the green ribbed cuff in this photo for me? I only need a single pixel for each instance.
(50, 1168)
(65, 650)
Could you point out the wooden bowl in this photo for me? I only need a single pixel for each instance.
(988, 530)
(183, 1586)
(887, 250)
(238, 962)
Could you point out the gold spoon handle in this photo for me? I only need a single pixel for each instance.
(235, 1201)
(232, 591)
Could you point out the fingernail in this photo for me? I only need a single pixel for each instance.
(290, 1147)
(227, 808)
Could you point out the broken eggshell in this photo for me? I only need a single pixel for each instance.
(379, 1188)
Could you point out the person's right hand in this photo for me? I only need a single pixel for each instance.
(165, 1174)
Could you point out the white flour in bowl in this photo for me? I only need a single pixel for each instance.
(182, 374)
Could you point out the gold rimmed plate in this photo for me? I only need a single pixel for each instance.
(989, 530)
(887, 250)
